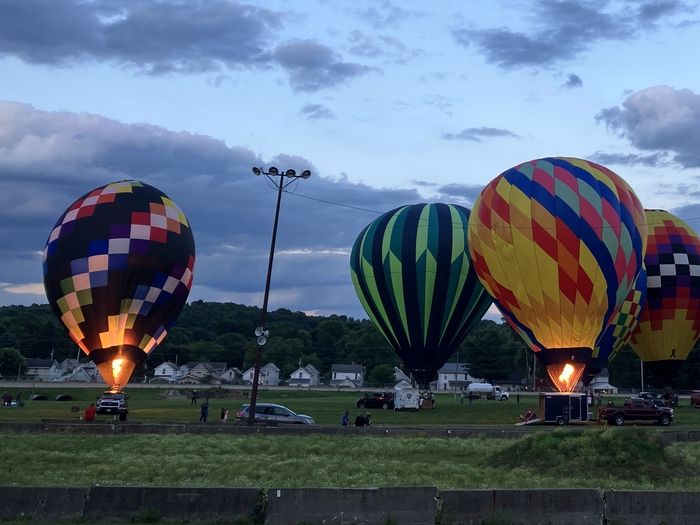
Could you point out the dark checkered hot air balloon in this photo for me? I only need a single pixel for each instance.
(118, 267)
(413, 275)
(558, 243)
(669, 324)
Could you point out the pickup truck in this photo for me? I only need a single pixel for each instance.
(635, 409)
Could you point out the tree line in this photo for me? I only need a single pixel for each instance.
(225, 332)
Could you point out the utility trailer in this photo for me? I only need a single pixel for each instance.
(552, 404)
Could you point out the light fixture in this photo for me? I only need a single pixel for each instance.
(273, 171)
(290, 173)
(257, 171)
(305, 174)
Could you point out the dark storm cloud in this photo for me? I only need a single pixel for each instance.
(476, 134)
(161, 37)
(564, 29)
(317, 112)
(313, 66)
(660, 119)
(49, 159)
(573, 81)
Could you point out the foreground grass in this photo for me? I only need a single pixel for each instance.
(614, 458)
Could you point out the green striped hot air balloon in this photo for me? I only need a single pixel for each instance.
(413, 275)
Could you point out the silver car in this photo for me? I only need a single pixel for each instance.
(269, 413)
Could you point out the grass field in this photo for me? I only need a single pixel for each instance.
(326, 407)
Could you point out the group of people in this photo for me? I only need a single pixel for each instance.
(360, 420)
(6, 399)
(204, 412)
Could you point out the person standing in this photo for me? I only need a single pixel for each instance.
(224, 414)
(368, 420)
(461, 397)
(204, 412)
(566, 416)
(193, 397)
(600, 399)
(90, 412)
(517, 397)
(346, 419)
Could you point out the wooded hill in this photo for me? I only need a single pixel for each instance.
(224, 332)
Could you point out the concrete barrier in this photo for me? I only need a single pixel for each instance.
(183, 503)
(570, 506)
(42, 503)
(409, 505)
(6, 426)
(651, 508)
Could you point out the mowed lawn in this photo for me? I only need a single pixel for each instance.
(326, 407)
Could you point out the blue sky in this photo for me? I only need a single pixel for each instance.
(388, 103)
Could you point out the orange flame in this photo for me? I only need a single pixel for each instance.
(116, 372)
(565, 376)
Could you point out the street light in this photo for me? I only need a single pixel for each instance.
(261, 332)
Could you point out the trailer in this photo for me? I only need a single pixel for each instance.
(406, 398)
(551, 407)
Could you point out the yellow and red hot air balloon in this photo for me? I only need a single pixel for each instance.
(118, 267)
(669, 324)
(558, 244)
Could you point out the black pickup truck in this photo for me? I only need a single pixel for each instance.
(636, 409)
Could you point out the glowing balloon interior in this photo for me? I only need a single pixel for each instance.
(669, 324)
(118, 267)
(412, 273)
(558, 243)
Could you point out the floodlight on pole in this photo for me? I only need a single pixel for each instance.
(261, 333)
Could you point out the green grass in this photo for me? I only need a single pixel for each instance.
(326, 407)
(613, 458)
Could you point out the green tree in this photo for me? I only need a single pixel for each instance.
(382, 374)
(12, 362)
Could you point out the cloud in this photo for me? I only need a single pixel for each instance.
(468, 193)
(564, 29)
(387, 47)
(317, 112)
(383, 14)
(312, 66)
(49, 159)
(630, 159)
(661, 119)
(165, 37)
(475, 134)
(573, 81)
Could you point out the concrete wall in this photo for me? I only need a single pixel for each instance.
(404, 505)
(409, 505)
(42, 503)
(570, 506)
(652, 508)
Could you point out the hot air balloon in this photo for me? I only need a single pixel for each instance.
(412, 273)
(558, 243)
(618, 332)
(118, 267)
(669, 323)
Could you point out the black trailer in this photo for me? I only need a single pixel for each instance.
(551, 407)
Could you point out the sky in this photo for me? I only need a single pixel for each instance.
(387, 103)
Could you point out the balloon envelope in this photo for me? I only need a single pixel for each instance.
(669, 324)
(412, 273)
(558, 243)
(118, 267)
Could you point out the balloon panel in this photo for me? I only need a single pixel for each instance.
(118, 267)
(412, 273)
(669, 323)
(558, 243)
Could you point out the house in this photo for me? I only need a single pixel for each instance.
(166, 370)
(187, 379)
(307, 376)
(454, 375)
(43, 369)
(232, 375)
(601, 383)
(82, 373)
(199, 369)
(402, 380)
(352, 376)
(269, 375)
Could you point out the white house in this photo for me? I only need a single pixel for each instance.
(352, 376)
(166, 371)
(601, 383)
(307, 376)
(232, 375)
(82, 373)
(199, 369)
(402, 380)
(269, 375)
(43, 369)
(454, 375)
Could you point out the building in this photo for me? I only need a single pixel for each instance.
(166, 370)
(454, 375)
(232, 375)
(306, 376)
(269, 375)
(402, 380)
(352, 376)
(43, 369)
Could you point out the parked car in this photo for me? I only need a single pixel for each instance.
(269, 413)
(112, 403)
(695, 398)
(383, 400)
(657, 399)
